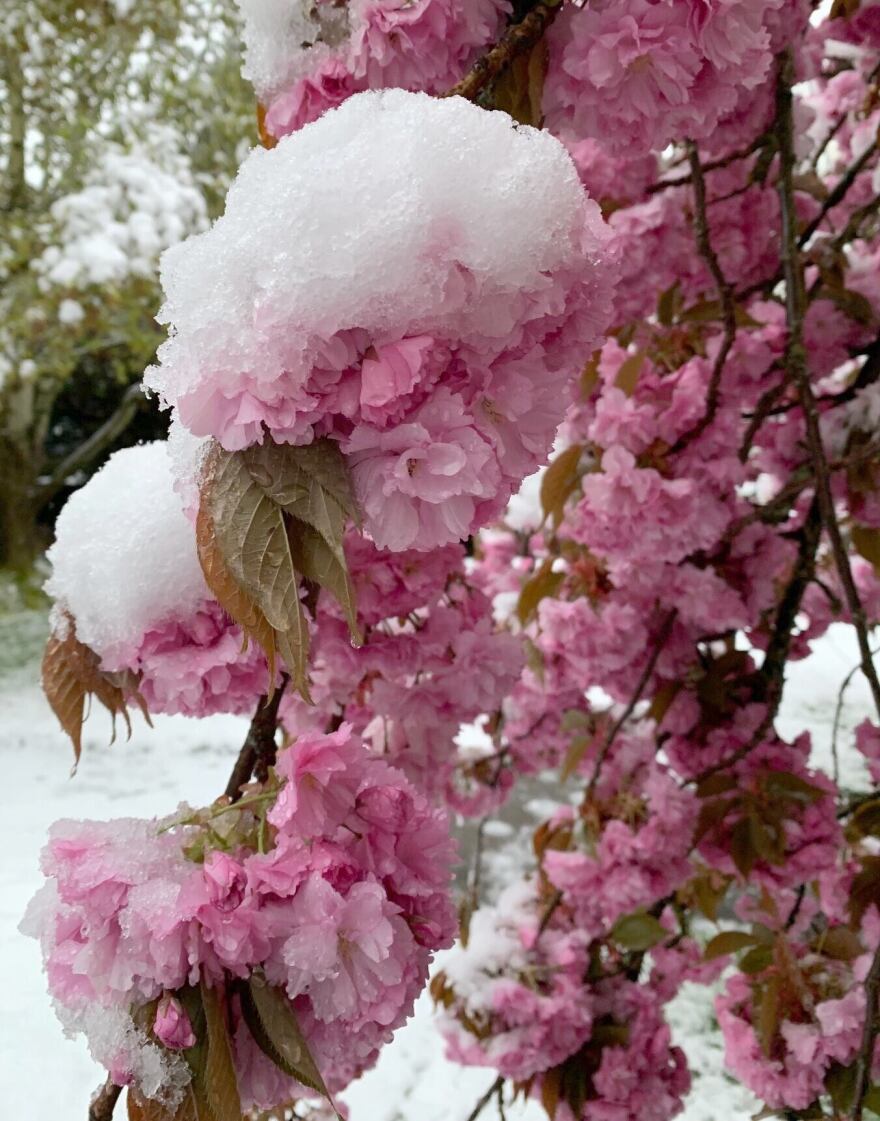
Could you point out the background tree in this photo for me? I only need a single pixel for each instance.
(121, 126)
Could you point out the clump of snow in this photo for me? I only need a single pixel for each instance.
(279, 35)
(124, 558)
(379, 216)
(70, 312)
(132, 206)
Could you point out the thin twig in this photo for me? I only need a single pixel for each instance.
(838, 194)
(771, 678)
(516, 40)
(104, 1101)
(796, 363)
(485, 1099)
(838, 712)
(258, 750)
(869, 1035)
(660, 642)
(133, 400)
(725, 293)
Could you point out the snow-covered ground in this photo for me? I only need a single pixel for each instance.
(48, 1078)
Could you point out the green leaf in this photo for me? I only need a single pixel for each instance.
(866, 542)
(756, 960)
(559, 481)
(250, 534)
(318, 562)
(639, 931)
(728, 942)
(272, 1021)
(221, 1085)
(574, 756)
(311, 483)
(785, 784)
(742, 848)
(841, 944)
(545, 582)
(628, 374)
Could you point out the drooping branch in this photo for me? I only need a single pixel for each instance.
(796, 365)
(88, 451)
(770, 680)
(608, 742)
(258, 750)
(725, 294)
(516, 40)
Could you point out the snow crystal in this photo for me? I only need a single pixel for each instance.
(124, 558)
(352, 222)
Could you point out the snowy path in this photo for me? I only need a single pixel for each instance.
(47, 1078)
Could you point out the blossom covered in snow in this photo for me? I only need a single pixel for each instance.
(431, 331)
(341, 910)
(126, 576)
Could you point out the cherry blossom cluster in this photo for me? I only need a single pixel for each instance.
(332, 881)
(306, 59)
(430, 330)
(126, 577)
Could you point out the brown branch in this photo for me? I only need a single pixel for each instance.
(796, 364)
(258, 750)
(485, 1099)
(869, 1036)
(132, 402)
(725, 293)
(770, 680)
(659, 643)
(837, 194)
(16, 183)
(104, 1101)
(516, 40)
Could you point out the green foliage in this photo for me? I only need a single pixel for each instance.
(91, 96)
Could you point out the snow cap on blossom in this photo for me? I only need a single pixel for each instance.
(342, 913)
(126, 574)
(416, 279)
(306, 58)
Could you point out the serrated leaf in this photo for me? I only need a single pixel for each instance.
(559, 481)
(221, 1084)
(250, 533)
(638, 932)
(71, 673)
(545, 582)
(318, 562)
(628, 374)
(272, 1021)
(240, 607)
(728, 942)
(311, 483)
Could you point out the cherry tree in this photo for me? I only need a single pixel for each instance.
(656, 267)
